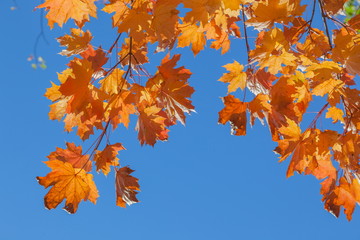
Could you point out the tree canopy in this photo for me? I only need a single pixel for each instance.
(292, 63)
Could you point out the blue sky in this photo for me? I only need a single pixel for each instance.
(201, 184)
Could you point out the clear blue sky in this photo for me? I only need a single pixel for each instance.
(201, 184)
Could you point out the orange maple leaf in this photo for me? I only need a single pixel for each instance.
(346, 195)
(192, 35)
(73, 155)
(235, 113)
(97, 58)
(281, 12)
(60, 11)
(107, 157)
(201, 10)
(130, 20)
(120, 107)
(333, 6)
(258, 107)
(165, 22)
(67, 182)
(75, 43)
(151, 126)
(126, 187)
(172, 89)
(77, 85)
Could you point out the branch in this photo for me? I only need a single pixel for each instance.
(324, 15)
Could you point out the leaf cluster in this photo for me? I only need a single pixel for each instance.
(290, 65)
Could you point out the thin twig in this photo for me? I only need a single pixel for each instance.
(40, 35)
(325, 23)
(115, 43)
(246, 35)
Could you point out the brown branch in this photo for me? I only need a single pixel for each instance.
(114, 44)
(324, 16)
(246, 35)
(313, 122)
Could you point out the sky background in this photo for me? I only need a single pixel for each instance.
(201, 184)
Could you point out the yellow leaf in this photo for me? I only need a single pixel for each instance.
(192, 34)
(236, 77)
(60, 11)
(336, 114)
(327, 87)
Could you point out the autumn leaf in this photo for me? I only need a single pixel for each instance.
(77, 86)
(73, 155)
(131, 20)
(120, 107)
(173, 90)
(127, 187)
(236, 77)
(112, 83)
(97, 58)
(151, 126)
(60, 11)
(328, 86)
(75, 43)
(107, 157)
(191, 35)
(266, 13)
(259, 107)
(235, 113)
(336, 114)
(201, 10)
(67, 182)
(165, 22)
(334, 6)
(345, 195)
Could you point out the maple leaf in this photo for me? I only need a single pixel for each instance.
(107, 157)
(58, 109)
(333, 6)
(67, 182)
(266, 13)
(336, 114)
(258, 107)
(236, 77)
(235, 113)
(316, 45)
(72, 155)
(274, 63)
(131, 20)
(77, 86)
(347, 194)
(113, 82)
(173, 91)
(126, 187)
(328, 86)
(151, 126)
(234, 5)
(53, 92)
(120, 107)
(192, 35)
(201, 10)
(97, 58)
(75, 43)
(282, 95)
(352, 61)
(60, 11)
(165, 22)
